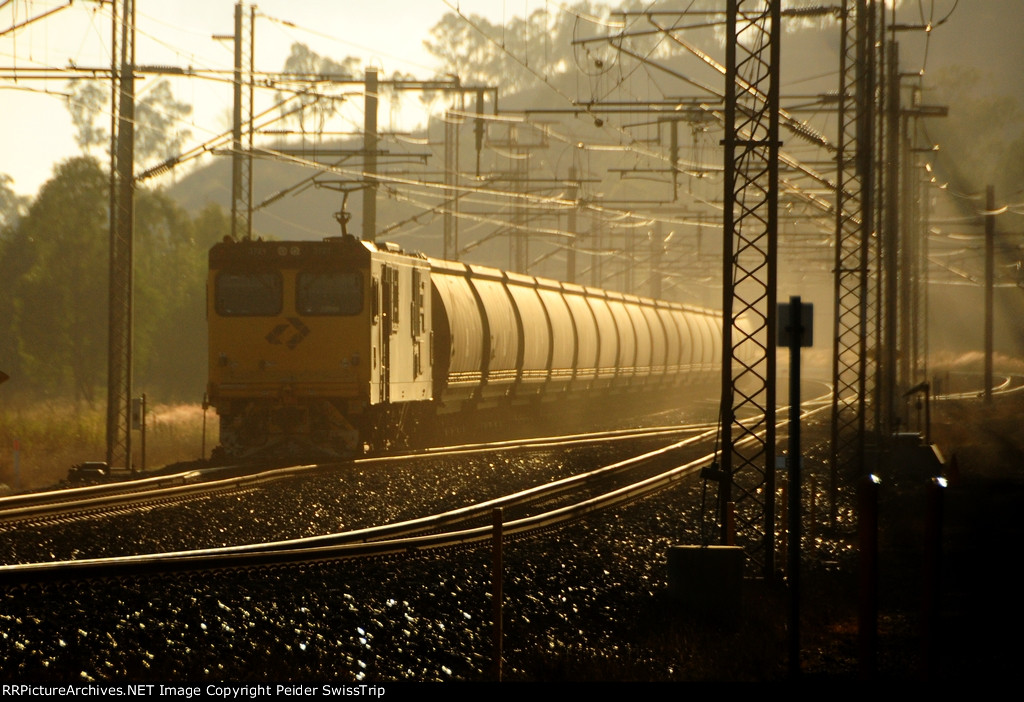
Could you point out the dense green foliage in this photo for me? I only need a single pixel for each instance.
(53, 313)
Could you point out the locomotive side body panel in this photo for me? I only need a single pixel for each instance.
(401, 329)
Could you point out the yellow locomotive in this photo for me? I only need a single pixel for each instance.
(341, 344)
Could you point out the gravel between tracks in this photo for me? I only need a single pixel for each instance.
(322, 502)
(588, 602)
(421, 618)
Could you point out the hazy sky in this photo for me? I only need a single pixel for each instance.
(35, 127)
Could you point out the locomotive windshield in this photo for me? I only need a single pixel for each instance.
(248, 294)
(329, 293)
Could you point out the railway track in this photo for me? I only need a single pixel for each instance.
(120, 497)
(538, 507)
(1006, 384)
(415, 612)
(454, 527)
(541, 507)
(124, 496)
(69, 504)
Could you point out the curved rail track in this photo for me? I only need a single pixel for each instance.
(537, 508)
(448, 529)
(110, 498)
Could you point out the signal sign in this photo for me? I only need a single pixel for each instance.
(805, 332)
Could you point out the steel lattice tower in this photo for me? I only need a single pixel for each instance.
(850, 359)
(871, 155)
(750, 244)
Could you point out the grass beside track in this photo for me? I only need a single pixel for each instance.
(55, 435)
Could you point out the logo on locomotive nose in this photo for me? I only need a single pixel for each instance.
(301, 331)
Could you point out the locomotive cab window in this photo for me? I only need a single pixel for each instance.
(329, 293)
(248, 294)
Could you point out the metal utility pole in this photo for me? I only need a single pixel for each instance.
(241, 144)
(990, 235)
(908, 252)
(914, 270)
(370, 155)
(478, 125)
(889, 376)
(518, 154)
(796, 321)
(519, 256)
(570, 251)
(628, 262)
(657, 243)
(875, 162)
(122, 215)
(921, 295)
(451, 181)
(749, 246)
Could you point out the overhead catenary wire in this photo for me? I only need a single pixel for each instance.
(630, 143)
(548, 130)
(32, 20)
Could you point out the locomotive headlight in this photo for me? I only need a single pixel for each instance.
(295, 251)
(282, 250)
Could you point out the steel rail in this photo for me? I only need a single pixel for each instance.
(145, 491)
(1004, 388)
(482, 510)
(460, 515)
(100, 497)
(296, 552)
(248, 557)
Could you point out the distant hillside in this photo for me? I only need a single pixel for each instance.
(307, 213)
(981, 35)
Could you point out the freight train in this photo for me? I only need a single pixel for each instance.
(343, 345)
